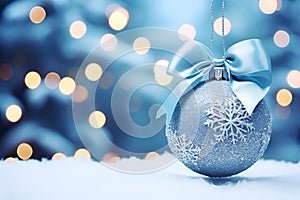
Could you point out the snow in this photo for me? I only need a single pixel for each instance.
(74, 179)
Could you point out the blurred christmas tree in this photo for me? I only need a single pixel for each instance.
(43, 43)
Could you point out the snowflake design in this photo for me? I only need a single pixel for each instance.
(184, 149)
(230, 120)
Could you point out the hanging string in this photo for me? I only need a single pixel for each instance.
(223, 27)
(212, 26)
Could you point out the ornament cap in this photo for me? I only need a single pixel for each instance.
(218, 73)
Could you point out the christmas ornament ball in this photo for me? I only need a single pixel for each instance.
(212, 133)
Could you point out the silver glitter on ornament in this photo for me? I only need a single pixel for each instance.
(212, 133)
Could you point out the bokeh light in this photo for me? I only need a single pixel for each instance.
(151, 155)
(52, 80)
(160, 72)
(284, 97)
(268, 6)
(108, 42)
(82, 153)
(118, 19)
(141, 45)
(80, 94)
(32, 80)
(67, 85)
(58, 156)
(111, 158)
(24, 151)
(218, 26)
(37, 14)
(6, 71)
(187, 32)
(97, 119)
(13, 113)
(115, 7)
(93, 71)
(111, 8)
(281, 38)
(77, 29)
(11, 160)
(293, 79)
(279, 4)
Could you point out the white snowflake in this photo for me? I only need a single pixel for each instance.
(230, 120)
(184, 149)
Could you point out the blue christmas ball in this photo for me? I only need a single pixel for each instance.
(212, 133)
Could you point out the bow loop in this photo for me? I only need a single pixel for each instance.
(246, 62)
(219, 61)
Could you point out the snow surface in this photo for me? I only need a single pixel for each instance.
(83, 179)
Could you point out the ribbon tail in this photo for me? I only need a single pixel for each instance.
(249, 94)
(181, 89)
(170, 103)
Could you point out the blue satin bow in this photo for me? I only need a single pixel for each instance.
(246, 62)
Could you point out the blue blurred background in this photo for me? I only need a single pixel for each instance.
(44, 42)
